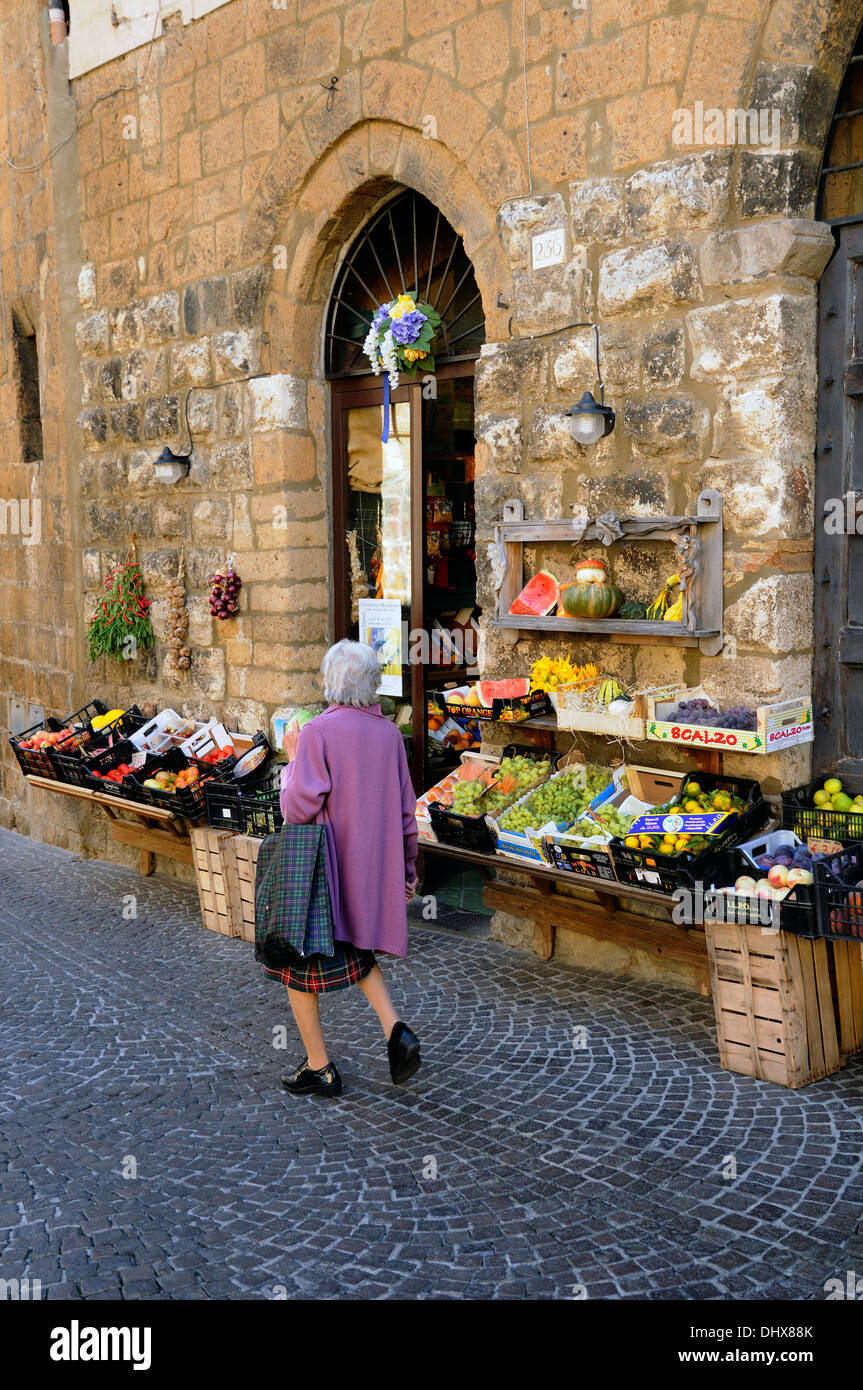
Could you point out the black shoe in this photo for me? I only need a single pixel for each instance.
(403, 1050)
(305, 1082)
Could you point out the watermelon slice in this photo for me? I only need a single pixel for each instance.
(512, 689)
(538, 596)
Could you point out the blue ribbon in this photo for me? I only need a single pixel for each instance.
(386, 430)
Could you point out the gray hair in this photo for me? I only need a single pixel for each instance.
(352, 674)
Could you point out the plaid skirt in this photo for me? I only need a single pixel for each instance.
(321, 974)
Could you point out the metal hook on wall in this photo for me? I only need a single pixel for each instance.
(330, 89)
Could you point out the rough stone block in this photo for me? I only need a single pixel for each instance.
(550, 436)
(500, 442)
(87, 285)
(777, 183)
(93, 427)
(508, 373)
(751, 337)
(553, 298)
(211, 519)
(802, 98)
(575, 363)
(663, 355)
(247, 289)
(206, 306)
(762, 496)
(160, 317)
(675, 428)
(126, 327)
(278, 402)
(769, 416)
(790, 246)
(231, 466)
(162, 417)
(775, 612)
(519, 220)
(687, 192)
(91, 334)
(236, 354)
(109, 378)
(596, 210)
(654, 275)
(190, 363)
(144, 374)
(126, 422)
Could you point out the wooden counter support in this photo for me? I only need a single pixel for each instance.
(154, 830)
(605, 920)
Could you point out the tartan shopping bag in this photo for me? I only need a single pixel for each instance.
(293, 914)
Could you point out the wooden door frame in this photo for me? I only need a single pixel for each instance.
(357, 391)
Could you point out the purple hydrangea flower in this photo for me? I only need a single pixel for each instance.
(380, 317)
(406, 329)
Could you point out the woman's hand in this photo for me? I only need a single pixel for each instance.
(410, 890)
(289, 742)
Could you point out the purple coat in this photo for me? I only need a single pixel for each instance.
(351, 775)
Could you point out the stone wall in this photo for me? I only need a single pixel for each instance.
(197, 215)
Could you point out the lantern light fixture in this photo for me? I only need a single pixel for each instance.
(591, 420)
(171, 467)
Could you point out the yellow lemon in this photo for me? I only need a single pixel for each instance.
(631, 842)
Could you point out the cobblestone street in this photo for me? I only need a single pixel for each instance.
(601, 1167)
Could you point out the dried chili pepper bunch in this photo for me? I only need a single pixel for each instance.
(121, 625)
(225, 589)
(178, 621)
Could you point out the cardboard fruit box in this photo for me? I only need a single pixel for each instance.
(577, 710)
(633, 789)
(781, 725)
(512, 711)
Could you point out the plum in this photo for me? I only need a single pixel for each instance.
(764, 861)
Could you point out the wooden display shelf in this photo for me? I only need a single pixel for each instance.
(697, 540)
(159, 830)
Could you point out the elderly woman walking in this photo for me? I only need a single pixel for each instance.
(347, 770)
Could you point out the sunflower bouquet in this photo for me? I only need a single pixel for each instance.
(549, 674)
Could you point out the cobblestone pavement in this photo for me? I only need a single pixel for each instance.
(556, 1168)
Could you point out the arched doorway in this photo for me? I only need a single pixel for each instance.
(403, 510)
(838, 662)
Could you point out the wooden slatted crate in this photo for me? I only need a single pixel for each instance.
(788, 1010)
(240, 856)
(217, 901)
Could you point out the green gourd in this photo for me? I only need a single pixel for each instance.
(633, 609)
(591, 600)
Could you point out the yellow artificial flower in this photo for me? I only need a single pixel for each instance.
(414, 355)
(405, 304)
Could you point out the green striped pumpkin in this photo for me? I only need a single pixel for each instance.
(591, 600)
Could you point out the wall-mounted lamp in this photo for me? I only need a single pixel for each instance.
(171, 467)
(590, 420)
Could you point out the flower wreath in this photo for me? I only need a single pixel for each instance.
(400, 340)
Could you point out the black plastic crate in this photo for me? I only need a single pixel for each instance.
(646, 868)
(188, 801)
(261, 812)
(592, 862)
(39, 762)
(103, 762)
(99, 741)
(799, 815)
(463, 832)
(838, 899)
(80, 720)
(474, 832)
(222, 800)
(719, 869)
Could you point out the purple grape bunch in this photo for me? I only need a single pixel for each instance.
(702, 712)
(223, 595)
